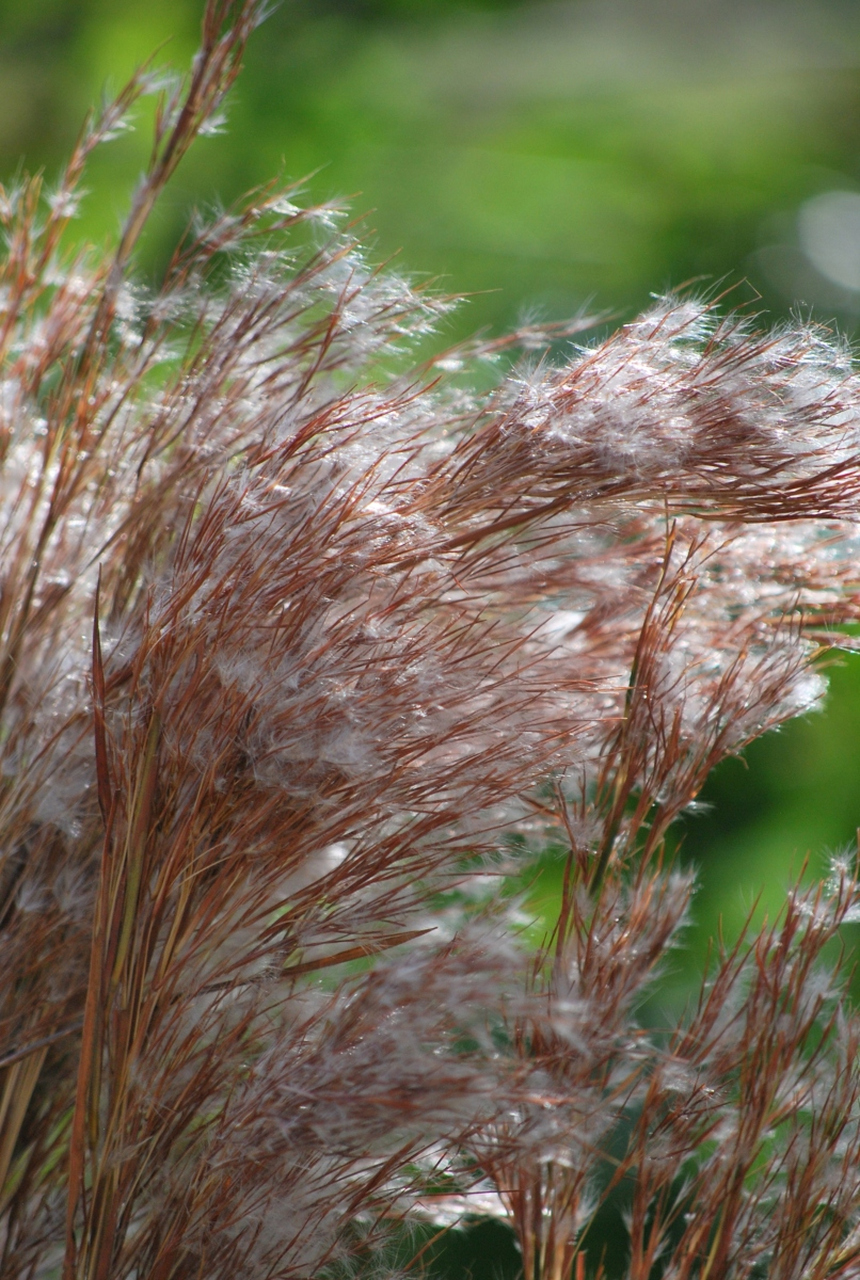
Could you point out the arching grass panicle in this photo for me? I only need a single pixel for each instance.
(303, 648)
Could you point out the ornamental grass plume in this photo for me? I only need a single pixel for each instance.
(303, 648)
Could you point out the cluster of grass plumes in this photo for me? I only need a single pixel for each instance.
(301, 648)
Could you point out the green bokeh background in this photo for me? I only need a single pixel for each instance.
(541, 158)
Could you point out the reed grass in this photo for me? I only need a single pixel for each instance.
(303, 649)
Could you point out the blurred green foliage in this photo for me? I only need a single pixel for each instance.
(544, 159)
(539, 157)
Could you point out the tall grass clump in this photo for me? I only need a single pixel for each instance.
(305, 650)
